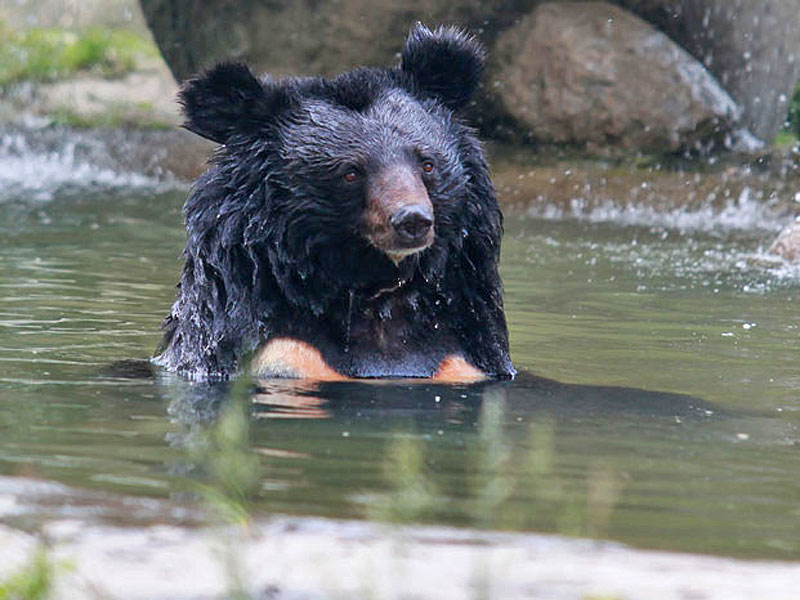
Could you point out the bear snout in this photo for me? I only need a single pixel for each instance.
(399, 215)
(412, 224)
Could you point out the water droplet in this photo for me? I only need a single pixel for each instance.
(349, 321)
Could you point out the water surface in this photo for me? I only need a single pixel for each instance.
(675, 424)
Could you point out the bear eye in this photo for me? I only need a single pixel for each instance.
(427, 166)
(351, 176)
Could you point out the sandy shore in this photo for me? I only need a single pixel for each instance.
(165, 554)
(293, 558)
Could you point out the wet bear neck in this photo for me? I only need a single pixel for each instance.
(396, 331)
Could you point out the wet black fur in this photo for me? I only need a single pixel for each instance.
(273, 244)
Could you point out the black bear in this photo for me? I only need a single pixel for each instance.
(347, 227)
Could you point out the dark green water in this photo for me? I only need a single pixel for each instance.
(712, 464)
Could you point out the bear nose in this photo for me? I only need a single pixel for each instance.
(412, 224)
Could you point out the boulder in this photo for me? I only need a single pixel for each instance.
(593, 73)
(284, 37)
(787, 244)
(751, 46)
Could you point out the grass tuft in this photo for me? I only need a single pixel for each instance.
(48, 54)
(33, 582)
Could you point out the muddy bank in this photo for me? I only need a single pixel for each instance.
(580, 187)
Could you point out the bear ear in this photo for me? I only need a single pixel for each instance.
(446, 63)
(227, 99)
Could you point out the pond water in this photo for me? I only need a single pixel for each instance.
(676, 424)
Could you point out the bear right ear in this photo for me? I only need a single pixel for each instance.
(226, 99)
(446, 63)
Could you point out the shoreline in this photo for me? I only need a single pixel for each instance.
(284, 558)
(288, 557)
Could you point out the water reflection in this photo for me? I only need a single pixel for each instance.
(460, 404)
(495, 455)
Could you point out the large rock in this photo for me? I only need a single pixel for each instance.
(751, 46)
(288, 37)
(787, 244)
(593, 73)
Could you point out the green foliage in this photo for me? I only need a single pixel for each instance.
(507, 489)
(491, 470)
(234, 469)
(786, 139)
(794, 110)
(47, 54)
(122, 116)
(32, 582)
(792, 129)
(233, 482)
(412, 496)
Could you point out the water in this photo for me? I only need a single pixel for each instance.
(676, 427)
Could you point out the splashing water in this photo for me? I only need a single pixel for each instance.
(744, 213)
(38, 172)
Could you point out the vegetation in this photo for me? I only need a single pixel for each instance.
(234, 470)
(413, 495)
(48, 54)
(508, 490)
(791, 132)
(233, 482)
(33, 582)
(115, 116)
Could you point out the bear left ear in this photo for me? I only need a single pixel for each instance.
(446, 63)
(227, 99)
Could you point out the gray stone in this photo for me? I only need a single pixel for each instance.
(593, 73)
(751, 46)
(71, 14)
(787, 244)
(283, 37)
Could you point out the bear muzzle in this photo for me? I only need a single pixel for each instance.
(412, 225)
(398, 219)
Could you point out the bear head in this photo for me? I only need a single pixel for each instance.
(323, 189)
